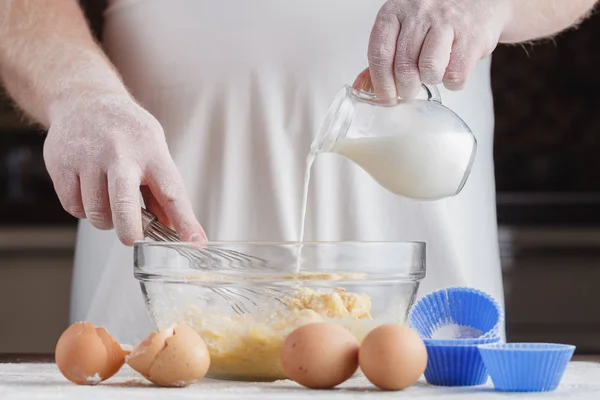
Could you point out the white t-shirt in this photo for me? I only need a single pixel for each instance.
(240, 89)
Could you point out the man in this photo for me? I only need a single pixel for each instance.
(213, 109)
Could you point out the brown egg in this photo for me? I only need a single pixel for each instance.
(320, 355)
(392, 357)
(173, 357)
(87, 355)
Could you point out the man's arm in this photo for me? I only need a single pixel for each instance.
(48, 56)
(535, 19)
(101, 145)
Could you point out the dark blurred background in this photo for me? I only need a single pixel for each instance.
(547, 154)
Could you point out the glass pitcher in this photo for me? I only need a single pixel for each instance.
(415, 148)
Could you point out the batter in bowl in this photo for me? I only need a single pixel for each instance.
(247, 347)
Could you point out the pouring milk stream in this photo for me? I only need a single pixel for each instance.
(415, 148)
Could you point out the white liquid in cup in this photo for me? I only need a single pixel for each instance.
(415, 165)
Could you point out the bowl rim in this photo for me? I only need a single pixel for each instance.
(414, 243)
(416, 273)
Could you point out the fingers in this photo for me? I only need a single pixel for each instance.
(66, 185)
(435, 54)
(423, 42)
(406, 64)
(124, 194)
(154, 207)
(96, 202)
(381, 53)
(361, 79)
(463, 59)
(167, 186)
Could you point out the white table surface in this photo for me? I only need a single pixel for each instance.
(32, 381)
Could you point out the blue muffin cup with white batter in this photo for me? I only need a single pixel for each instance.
(475, 314)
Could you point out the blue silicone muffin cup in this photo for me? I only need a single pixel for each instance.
(450, 363)
(461, 342)
(464, 307)
(526, 367)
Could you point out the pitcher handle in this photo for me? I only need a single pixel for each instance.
(433, 94)
(363, 83)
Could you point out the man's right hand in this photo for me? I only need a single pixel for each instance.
(99, 152)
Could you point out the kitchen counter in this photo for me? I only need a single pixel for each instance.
(32, 378)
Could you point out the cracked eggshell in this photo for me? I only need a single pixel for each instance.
(87, 355)
(173, 357)
(142, 357)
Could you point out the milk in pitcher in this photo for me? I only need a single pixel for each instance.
(414, 165)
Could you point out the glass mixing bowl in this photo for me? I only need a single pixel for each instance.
(245, 298)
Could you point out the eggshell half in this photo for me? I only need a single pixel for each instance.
(175, 357)
(87, 355)
(142, 357)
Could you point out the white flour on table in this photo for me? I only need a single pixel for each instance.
(44, 381)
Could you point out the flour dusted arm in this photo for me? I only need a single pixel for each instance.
(48, 56)
(536, 19)
(101, 145)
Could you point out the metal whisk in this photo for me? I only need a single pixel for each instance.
(210, 259)
(199, 256)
